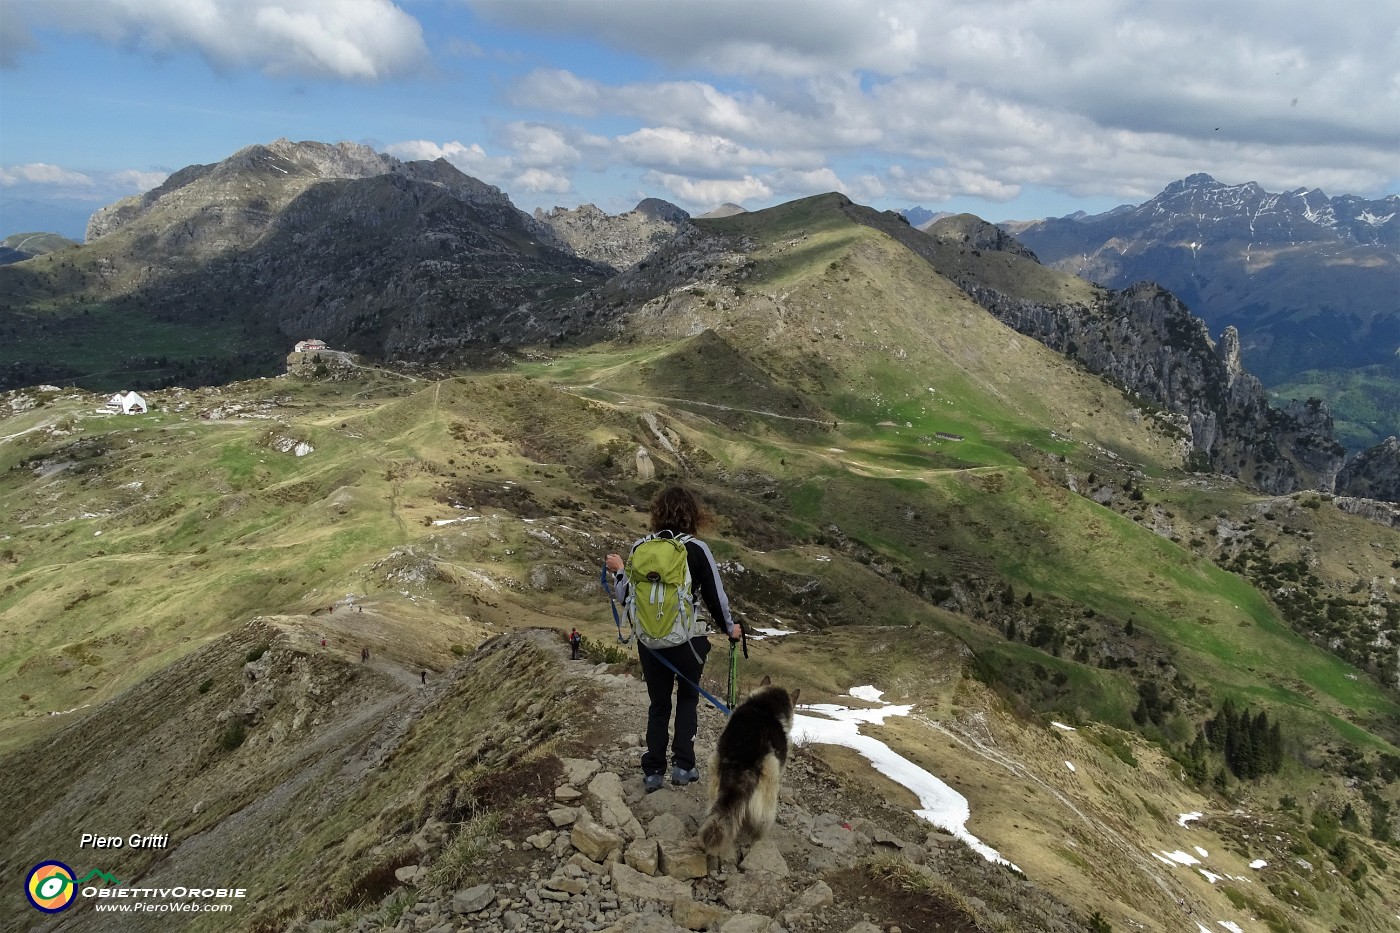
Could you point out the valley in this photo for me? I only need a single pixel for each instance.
(935, 505)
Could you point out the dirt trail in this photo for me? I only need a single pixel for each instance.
(591, 387)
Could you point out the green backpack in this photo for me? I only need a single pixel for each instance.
(660, 606)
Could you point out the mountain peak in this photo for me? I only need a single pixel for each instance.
(657, 209)
(727, 209)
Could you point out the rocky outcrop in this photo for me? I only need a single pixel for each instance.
(619, 241)
(1144, 340)
(1374, 473)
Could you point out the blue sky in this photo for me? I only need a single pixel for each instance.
(1014, 109)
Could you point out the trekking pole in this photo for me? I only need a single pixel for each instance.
(612, 602)
(733, 695)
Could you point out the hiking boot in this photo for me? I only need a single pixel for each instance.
(681, 776)
(652, 782)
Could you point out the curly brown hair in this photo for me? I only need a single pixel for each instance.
(676, 509)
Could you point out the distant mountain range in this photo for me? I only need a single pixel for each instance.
(1311, 282)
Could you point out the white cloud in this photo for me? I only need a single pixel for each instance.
(539, 181)
(708, 193)
(41, 173)
(344, 39)
(540, 146)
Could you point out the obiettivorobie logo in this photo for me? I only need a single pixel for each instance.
(51, 886)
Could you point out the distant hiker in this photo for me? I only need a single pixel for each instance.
(667, 575)
(575, 643)
(364, 655)
(323, 643)
(252, 678)
(425, 678)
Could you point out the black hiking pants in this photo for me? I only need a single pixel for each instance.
(661, 680)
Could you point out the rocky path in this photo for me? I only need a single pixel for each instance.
(604, 856)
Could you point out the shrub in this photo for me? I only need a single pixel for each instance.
(206, 685)
(233, 736)
(258, 652)
(600, 651)
(459, 650)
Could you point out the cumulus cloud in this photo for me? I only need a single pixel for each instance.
(710, 192)
(539, 181)
(343, 39)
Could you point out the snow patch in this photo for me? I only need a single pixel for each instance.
(1201, 852)
(1070, 765)
(1060, 725)
(1258, 864)
(939, 804)
(867, 693)
(1209, 876)
(1185, 818)
(1182, 858)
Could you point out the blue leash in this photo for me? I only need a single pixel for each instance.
(702, 691)
(612, 602)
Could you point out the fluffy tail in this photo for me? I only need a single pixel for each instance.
(720, 831)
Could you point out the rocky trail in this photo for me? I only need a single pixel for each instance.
(601, 855)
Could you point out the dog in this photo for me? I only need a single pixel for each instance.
(745, 770)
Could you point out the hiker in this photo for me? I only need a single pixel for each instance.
(364, 655)
(575, 643)
(676, 515)
(425, 678)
